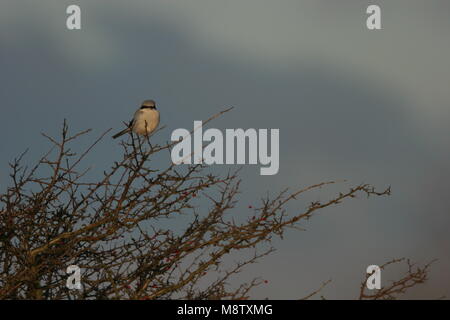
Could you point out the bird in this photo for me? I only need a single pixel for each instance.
(145, 120)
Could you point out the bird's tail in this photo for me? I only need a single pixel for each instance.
(121, 133)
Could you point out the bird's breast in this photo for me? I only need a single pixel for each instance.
(146, 121)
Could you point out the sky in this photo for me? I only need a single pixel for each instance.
(364, 106)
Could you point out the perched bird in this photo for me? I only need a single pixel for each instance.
(145, 120)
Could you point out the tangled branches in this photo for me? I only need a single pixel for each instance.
(138, 232)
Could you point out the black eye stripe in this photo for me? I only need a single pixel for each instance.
(148, 107)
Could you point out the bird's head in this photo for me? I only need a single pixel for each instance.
(148, 104)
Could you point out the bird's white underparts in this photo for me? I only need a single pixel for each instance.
(255, 151)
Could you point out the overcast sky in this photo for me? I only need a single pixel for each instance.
(366, 106)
